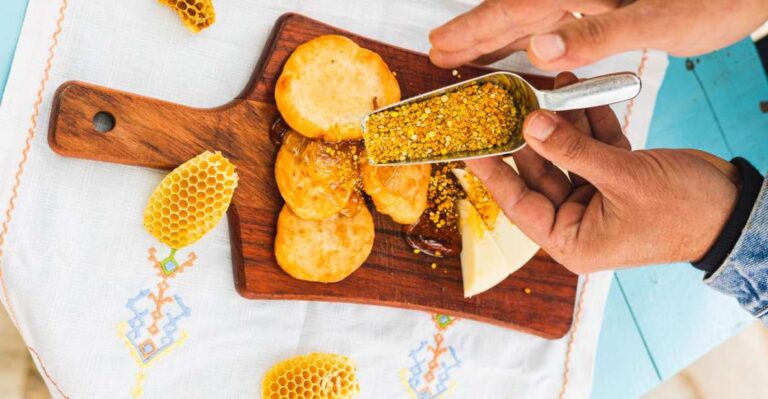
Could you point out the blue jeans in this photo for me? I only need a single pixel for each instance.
(744, 274)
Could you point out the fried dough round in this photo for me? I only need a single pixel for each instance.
(325, 250)
(329, 83)
(316, 179)
(398, 191)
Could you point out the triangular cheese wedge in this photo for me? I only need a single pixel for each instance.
(516, 248)
(482, 263)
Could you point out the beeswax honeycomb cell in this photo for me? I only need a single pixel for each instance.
(191, 200)
(196, 14)
(312, 376)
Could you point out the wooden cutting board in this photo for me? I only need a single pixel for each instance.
(157, 134)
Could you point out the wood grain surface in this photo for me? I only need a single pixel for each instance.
(154, 133)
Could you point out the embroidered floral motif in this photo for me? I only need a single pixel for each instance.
(152, 330)
(169, 267)
(432, 364)
(442, 321)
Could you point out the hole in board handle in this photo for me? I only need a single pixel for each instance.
(103, 122)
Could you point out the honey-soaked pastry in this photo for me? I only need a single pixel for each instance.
(325, 250)
(196, 14)
(329, 83)
(315, 178)
(191, 200)
(312, 376)
(398, 191)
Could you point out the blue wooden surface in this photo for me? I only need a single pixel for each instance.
(11, 17)
(623, 368)
(661, 318)
(713, 106)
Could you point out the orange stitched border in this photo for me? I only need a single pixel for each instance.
(631, 104)
(45, 371)
(17, 183)
(576, 320)
(577, 315)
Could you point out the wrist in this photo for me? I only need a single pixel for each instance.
(729, 232)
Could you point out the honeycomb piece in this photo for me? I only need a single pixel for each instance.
(196, 14)
(312, 376)
(191, 200)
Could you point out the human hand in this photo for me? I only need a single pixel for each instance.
(620, 207)
(556, 40)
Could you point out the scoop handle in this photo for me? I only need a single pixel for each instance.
(601, 90)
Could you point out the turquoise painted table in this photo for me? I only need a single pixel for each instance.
(658, 319)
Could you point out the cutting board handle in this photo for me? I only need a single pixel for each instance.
(145, 131)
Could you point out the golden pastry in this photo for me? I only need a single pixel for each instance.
(329, 83)
(316, 179)
(398, 191)
(325, 250)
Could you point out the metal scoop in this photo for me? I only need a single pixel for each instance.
(601, 90)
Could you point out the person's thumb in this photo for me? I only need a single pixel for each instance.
(560, 142)
(590, 39)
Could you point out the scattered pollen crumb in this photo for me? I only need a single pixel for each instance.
(416, 251)
(527, 291)
(434, 265)
(482, 200)
(394, 73)
(438, 253)
(445, 271)
(455, 72)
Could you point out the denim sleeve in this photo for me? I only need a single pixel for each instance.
(744, 274)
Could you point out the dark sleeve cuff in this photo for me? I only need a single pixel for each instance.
(751, 182)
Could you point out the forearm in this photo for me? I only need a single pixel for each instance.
(743, 269)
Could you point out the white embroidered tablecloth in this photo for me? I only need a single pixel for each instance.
(78, 274)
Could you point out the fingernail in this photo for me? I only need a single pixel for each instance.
(548, 47)
(540, 126)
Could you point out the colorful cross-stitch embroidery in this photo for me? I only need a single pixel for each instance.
(442, 321)
(432, 364)
(153, 329)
